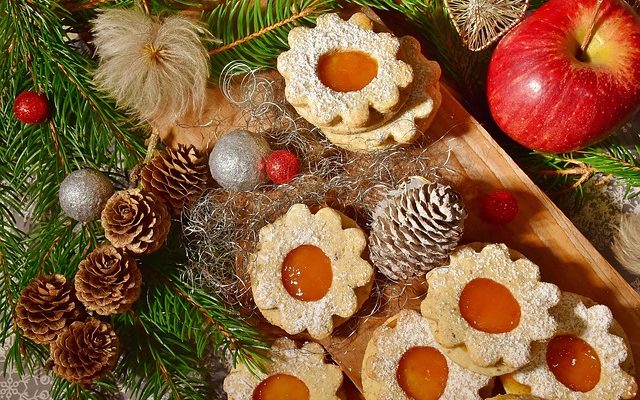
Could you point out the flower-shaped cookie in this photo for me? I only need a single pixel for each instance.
(309, 268)
(412, 119)
(300, 373)
(337, 72)
(403, 361)
(489, 307)
(583, 360)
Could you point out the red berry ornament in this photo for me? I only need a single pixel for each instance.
(31, 107)
(499, 207)
(281, 166)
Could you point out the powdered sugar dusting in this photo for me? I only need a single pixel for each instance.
(343, 247)
(390, 345)
(323, 106)
(521, 277)
(592, 325)
(306, 364)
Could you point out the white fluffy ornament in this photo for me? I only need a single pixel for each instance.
(156, 67)
(626, 243)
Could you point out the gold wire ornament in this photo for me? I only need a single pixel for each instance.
(481, 22)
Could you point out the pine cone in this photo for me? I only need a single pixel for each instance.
(47, 306)
(85, 351)
(108, 281)
(416, 228)
(179, 176)
(136, 221)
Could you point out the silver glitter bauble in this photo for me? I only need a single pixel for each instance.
(84, 193)
(236, 161)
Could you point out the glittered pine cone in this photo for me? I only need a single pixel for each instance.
(178, 176)
(108, 281)
(416, 228)
(136, 220)
(85, 351)
(46, 307)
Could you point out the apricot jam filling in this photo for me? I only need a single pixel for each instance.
(422, 373)
(489, 307)
(573, 362)
(281, 387)
(347, 71)
(306, 273)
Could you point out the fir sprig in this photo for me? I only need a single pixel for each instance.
(566, 173)
(257, 35)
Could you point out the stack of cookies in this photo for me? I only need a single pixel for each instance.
(365, 90)
(488, 315)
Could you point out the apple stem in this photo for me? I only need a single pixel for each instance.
(590, 31)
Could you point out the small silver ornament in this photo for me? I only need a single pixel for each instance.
(84, 193)
(236, 161)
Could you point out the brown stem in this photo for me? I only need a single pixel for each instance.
(590, 31)
(145, 6)
(302, 14)
(56, 143)
(151, 147)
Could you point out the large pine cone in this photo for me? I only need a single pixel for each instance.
(85, 351)
(108, 281)
(416, 228)
(179, 176)
(47, 306)
(136, 220)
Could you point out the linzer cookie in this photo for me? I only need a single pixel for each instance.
(403, 361)
(583, 361)
(343, 75)
(293, 374)
(308, 269)
(414, 117)
(515, 397)
(488, 306)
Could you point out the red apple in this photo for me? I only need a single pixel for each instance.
(547, 94)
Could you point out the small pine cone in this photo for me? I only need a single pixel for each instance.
(85, 351)
(46, 307)
(179, 176)
(135, 220)
(108, 281)
(416, 228)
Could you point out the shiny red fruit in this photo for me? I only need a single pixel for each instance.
(499, 207)
(281, 166)
(547, 94)
(31, 108)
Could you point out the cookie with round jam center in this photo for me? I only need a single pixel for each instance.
(281, 387)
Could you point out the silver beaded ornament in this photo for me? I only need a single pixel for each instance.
(83, 194)
(236, 161)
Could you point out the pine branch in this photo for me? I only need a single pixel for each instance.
(255, 34)
(566, 173)
(84, 130)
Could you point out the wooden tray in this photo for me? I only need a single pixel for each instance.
(477, 164)
(541, 232)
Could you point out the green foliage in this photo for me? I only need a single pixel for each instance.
(173, 327)
(566, 173)
(257, 36)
